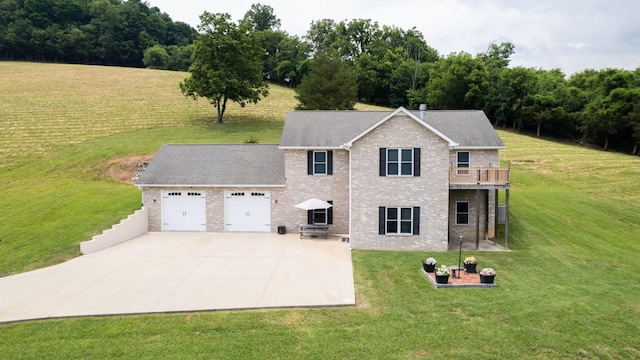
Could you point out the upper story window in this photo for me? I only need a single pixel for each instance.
(463, 159)
(320, 162)
(399, 161)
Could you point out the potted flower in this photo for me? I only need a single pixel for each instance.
(487, 275)
(429, 265)
(470, 264)
(442, 275)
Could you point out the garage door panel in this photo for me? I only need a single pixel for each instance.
(248, 211)
(184, 211)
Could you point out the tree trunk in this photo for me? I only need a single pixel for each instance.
(635, 149)
(538, 131)
(606, 143)
(222, 106)
(218, 108)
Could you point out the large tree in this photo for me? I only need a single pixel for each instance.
(261, 17)
(329, 85)
(458, 82)
(226, 64)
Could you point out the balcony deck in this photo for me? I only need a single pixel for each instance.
(478, 178)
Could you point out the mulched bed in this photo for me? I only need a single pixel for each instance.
(465, 280)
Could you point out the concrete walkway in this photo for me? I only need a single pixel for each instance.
(172, 272)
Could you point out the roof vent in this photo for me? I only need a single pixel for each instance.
(423, 112)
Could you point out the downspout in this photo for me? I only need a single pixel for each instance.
(348, 148)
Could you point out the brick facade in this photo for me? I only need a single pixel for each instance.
(429, 191)
(301, 187)
(477, 158)
(469, 230)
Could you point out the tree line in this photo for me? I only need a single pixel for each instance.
(106, 32)
(360, 61)
(343, 62)
(599, 107)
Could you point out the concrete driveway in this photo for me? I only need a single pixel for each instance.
(172, 272)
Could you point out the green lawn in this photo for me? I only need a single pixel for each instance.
(569, 289)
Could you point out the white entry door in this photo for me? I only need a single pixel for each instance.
(184, 210)
(247, 211)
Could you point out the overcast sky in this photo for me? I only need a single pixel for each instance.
(572, 35)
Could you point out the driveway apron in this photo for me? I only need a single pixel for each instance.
(174, 272)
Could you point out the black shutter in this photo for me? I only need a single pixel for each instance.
(330, 213)
(416, 220)
(309, 162)
(383, 161)
(381, 220)
(330, 162)
(310, 217)
(416, 162)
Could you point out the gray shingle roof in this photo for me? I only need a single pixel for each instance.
(331, 129)
(326, 128)
(469, 128)
(216, 164)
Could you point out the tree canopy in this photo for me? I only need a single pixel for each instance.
(330, 85)
(261, 17)
(107, 32)
(226, 64)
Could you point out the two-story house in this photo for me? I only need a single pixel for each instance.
(400, 180)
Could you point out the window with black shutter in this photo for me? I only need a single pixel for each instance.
(321, 216)
(399, 220)
(320, 162)
(399, 161)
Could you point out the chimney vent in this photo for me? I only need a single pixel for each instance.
(423, 112)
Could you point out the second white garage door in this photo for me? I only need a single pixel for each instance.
(247, 211)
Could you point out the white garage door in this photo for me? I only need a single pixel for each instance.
(247, 211)
(184, 211)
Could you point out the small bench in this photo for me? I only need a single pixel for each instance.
(314, 230)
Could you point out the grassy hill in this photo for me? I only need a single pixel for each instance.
(569, 288)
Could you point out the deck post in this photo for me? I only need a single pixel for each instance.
(477, 219)
(506, 220)
(496, 211)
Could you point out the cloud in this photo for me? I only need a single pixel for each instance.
(576, 46)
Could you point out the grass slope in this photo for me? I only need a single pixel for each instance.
(569, 288)
(59, 126)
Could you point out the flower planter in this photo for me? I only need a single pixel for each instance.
(442, 279)
(428, 267)
(470, 268)
(487, 279)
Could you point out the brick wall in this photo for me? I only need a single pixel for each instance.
(301, 187)
(430, 191)
(478, 158)
(469, 230)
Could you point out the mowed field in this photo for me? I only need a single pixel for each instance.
(45, 105)
(569, 289)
